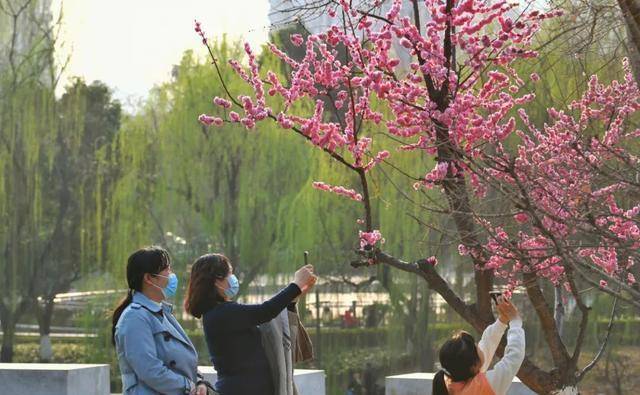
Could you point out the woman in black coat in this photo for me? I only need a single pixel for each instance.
(231, 329)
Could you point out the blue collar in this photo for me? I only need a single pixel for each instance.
(143, 300)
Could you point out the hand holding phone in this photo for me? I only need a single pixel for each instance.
(495, 296)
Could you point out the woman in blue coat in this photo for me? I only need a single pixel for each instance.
(154, 353)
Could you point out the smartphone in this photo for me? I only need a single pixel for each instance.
(306, 258)
(495, 295)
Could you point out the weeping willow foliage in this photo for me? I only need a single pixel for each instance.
(26, 150)
(26, 126)
(50, 155)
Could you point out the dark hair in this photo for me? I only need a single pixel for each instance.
(152, 260)
(458, 356)
(202, 294)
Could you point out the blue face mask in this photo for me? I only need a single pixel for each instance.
(172, 285)
(234, 287)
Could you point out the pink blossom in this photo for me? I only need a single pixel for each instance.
(436, 175)
(338, 190)
(209, 120)
(432, 260)
(248, 123)
(222, 102)
(284, 121)
(603, 284)
(370, 238)
(381, 156)
(521, 217)
(200, 32)
(296, 39)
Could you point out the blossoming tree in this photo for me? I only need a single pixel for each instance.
(567, 187)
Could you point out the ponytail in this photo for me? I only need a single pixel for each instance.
(118, 312)
(438, 386)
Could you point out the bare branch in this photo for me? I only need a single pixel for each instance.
(604, 343)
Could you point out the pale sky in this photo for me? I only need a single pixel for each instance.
(132, 44)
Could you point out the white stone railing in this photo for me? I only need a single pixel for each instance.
(308, 382)
(420, 384)
(74, 379)
(54, 379)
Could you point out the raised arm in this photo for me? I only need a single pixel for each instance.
(489, 342)
(501, 376)
(241, 316)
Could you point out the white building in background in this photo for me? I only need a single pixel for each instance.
(314, 17)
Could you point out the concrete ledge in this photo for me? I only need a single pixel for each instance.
(420, 384)
(54, 379)
(308, 382)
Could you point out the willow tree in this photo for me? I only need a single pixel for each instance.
(48, 163)
(88, 119)
(561, 220)
(26, 134)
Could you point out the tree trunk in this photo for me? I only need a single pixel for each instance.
(231, 228)
(45, 314)
(411, 320)
(631, 14)
(559, 310)
(424, 335)
(8, 321)
(8, 335)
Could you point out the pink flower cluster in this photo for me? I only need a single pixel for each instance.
(563, 175)
(209, 120)
(200, 32)
(557, 175)
(338, 190)
(370, 238)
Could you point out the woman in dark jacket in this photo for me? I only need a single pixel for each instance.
(231, 329)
